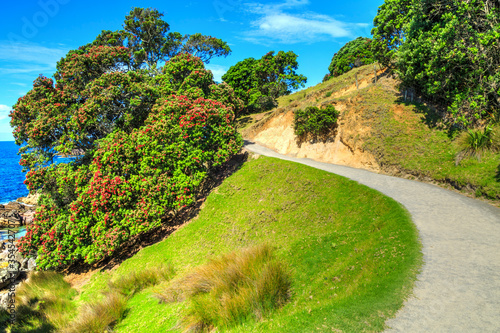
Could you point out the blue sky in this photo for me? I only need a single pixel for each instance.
(35, 34)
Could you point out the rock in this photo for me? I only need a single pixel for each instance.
(28, 264)
(5, 223)
(9, 273)
(14, 206)
(28, 217)
(31, 264)
(31, 199)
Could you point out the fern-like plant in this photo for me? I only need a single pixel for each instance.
(474, 143)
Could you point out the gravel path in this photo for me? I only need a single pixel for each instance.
(458, 289)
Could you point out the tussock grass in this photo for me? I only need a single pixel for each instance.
(99, 316)
(102, 316)
(228, 290)
(43, 302)
(138, 280)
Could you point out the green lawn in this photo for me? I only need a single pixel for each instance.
(354, 253)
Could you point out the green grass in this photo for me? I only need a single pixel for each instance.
(414, 143)
(43, 303)
(243, 285)
(353, 252)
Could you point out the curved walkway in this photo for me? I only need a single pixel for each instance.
(458, 289)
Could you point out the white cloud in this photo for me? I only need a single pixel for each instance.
(18, 58)
(4, 111)
(217, 71)
(276, 26)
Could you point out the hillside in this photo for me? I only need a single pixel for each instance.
(379, 131)
(353, 255)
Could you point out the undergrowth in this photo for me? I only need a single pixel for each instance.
(230, 289)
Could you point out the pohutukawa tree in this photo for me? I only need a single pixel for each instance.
(147, 136)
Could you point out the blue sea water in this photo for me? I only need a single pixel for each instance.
(12, 178)
(11, 175)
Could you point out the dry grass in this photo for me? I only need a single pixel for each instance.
(104, 315)
(99, 316)
(227, 291)
(44, 299)
(139, 280)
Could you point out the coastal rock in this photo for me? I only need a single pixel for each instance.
(13, 205)
(28, 217)
(28, 264)
(9, 273)
(15, 214)
(31, 199)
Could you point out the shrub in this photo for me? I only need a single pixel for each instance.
(316, 123)
(227, 291)
(474, 143)
(135, 177)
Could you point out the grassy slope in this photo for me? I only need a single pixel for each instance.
(405, 137)
(354, 252)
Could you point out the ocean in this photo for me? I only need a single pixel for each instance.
(11, 174)
(12, 178)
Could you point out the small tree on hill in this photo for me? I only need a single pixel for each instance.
(353, 54)
(260, 82)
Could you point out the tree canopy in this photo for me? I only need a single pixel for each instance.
(260, 82)
(355, 53)
(448, 50)
(146, 140)
(148, 38)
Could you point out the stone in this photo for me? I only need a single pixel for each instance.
(9, 272)
(31, 199)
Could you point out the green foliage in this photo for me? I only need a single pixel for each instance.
(447, 50)
(260, 82)
(205, 47)
(389, 31)
(316, 122)
(148, 38)
(474, 143)
(249, 283)
(145, 142)
(353, 54)
(151, 44)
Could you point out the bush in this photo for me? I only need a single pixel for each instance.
(227, 291)
(474, 143)
(315, 123)
(134, 180)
